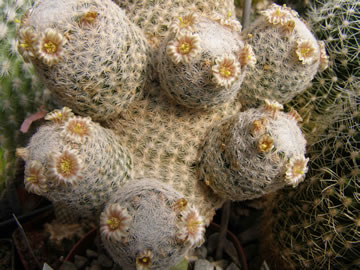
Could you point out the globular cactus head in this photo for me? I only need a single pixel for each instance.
(62, 162)
(253, 153)
(87, 53)
(149, 225)
(285, 49)
(199, 71)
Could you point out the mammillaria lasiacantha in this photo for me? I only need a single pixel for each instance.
(288, 56)
(80, 50)
(253, 153)
(62, 162)
(198, 72)
(149, 225)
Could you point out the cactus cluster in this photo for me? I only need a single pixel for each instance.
(317, 225)
(20, 91)
(163, 131)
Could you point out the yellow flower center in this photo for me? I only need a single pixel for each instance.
(225, 72)
(24, 45)
(298, 170)
(185, 47)
(50, 47)
(193, 225)
(265, 144)
(278, 12)
(66, 166)
(113, 223)
(32, 179)
(145, 260)
(305, 51)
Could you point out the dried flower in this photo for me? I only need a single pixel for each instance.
(258, 126)
(50, 47)
(265, 144)
(191, 228)
(22, 153)
(77, 129)
(273, 107)
(295, 115)
(247, 56)
(296, 170)
(324, 58)
(288, 27)
(306, 52)
(27, 43)
(35, 180)
(180, 205)
(226, 71)
(278, 14)
(65, 167)
(144, 260)
(115, 222)
(184, 47)
(59, 116)
(229, 22)
(88, 18)
(184, 23)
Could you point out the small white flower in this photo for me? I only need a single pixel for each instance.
(184, 23)
(278, 14)
(51, 47)
(324, 58)
(77, 129)
(185, 47)
(27, 40)
(226, 71)
(65, 167)
(59, 116)
(144, 260)
(228, 21)
(273, 107)
(296, 170)
(35, 181)
(247, 56)
(191, 228)
(115, 222)
(306, 52)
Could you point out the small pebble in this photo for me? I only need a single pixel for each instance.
(233, 266)
(203, 265)
(69, 266)
(201, 252)
(105, 261)
(80, 261)
(91, 254)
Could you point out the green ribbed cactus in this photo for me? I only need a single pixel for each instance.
(62, 162)
(316, 226)
(337, 23)
(20, 91)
